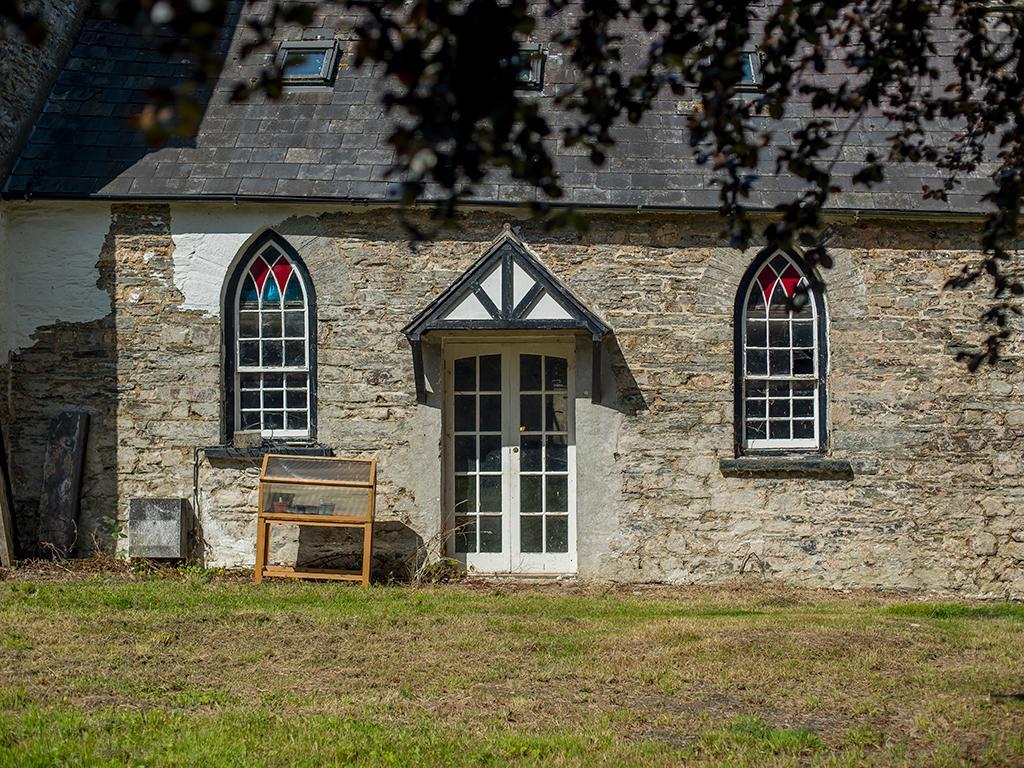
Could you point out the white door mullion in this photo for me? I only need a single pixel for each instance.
(570, 452)
(543, 560)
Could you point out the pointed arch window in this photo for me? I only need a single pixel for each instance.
(270, 343)
(781, 357)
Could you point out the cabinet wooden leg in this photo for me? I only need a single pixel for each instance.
(367, 552)
(261, 549)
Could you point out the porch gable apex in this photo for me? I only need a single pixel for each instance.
(507, 288)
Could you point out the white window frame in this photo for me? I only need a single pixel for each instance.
(791, 443)
(531, 77)
(240, 369)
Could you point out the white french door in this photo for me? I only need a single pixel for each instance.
(510, 491)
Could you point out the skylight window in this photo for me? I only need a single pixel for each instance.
(750, 71)
(308, 62)
(750, 64)
(529, 62)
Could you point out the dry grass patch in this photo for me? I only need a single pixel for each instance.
(168, 669)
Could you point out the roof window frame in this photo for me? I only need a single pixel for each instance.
(534, 71)
(328, 69)
(756, 82)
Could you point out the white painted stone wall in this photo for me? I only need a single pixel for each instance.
(48, 264)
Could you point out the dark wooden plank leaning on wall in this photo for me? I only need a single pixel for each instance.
(62, 482)
(6, 508)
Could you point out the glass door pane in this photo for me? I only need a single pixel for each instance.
(543, 433)
(477, 463)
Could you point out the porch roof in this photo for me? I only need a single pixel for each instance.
(507, 288)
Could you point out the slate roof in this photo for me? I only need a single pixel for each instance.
(330, 143)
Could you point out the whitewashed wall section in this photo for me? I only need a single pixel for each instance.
(207, 238)
(48, 262)
(49, 254)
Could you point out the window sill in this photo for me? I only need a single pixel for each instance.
(800, 467)
(230, 452)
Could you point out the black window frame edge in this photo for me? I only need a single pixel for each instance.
(228, 332)
(327, 71)
(739, 306)
(230, 452)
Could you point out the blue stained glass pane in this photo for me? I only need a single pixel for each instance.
(293, 291)
(249, 293)
(270, 291)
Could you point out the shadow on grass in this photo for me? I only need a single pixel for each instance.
(1018, 697)
(1012, 611)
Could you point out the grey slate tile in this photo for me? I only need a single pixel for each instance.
(313, 171)
(292, 187)
(280, 170)
(257, 186)
(268, 154)
(302, 155)
(352, 172)
(221, 186)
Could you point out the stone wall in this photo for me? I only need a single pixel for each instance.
(57, 332)
(934, 503)
(29, 71)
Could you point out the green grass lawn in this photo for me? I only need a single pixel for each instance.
(173, 670)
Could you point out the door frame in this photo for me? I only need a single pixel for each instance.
(510, 560)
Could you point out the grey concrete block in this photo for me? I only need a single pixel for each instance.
(158, 528)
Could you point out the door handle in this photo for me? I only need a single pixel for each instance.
(515, 449)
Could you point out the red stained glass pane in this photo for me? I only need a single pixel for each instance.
(282, 271)
(790, 279)
(767, 280)
(259, 270)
